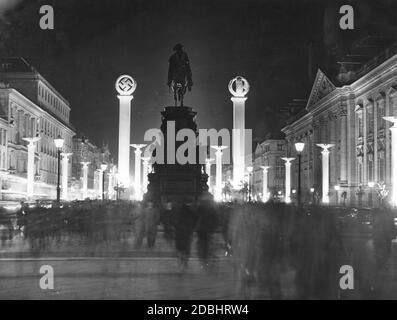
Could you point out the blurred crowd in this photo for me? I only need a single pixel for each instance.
(278, 250)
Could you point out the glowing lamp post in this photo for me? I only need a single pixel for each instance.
(299, 146)
(125, 86)
(393, 130)
(30, 173)
(218, 177)
(208, 162)
(238, 87)
(288, 179)
(85, 179)
(265, 193)
(65, 167)
(137, 173)
(325, 165)
(59, 145)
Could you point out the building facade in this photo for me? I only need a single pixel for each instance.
(86, 151)
(351, 119)
(30, 107)
(269, 153)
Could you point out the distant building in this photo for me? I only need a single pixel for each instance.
(86, 151)
(351, 118)
(269, 153)
(30, 107)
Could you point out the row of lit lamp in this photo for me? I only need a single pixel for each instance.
(59, 142)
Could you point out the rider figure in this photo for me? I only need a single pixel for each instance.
(179, 73)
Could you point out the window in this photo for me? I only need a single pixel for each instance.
(279, 147)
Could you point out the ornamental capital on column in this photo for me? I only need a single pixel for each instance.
(238, 99)
(325, 147)
(288, 160)
(219, 149)
(125, 98)
(66, 154)
(137, 147)
(31, 141)
(265, 168)
(85, 163)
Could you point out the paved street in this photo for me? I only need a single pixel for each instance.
(120, 278)
(146, 278)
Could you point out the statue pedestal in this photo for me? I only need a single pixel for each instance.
(176, 182)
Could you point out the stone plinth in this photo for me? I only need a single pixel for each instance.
(176, 182)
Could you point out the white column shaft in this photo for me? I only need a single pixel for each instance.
(138, 187)
(124, 139)
(238, 139)
(264, 191)
(65, 165)
(287, 182)
(218, 186)
(85, 181)
(208, 171)
(325, 159)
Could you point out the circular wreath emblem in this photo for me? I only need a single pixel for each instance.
(239, 87)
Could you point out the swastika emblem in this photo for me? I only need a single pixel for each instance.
(125, 85)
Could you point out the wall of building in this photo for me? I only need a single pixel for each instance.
(350, 118)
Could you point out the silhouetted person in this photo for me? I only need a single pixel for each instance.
(152, 218)
(184, 227)
(206, 223)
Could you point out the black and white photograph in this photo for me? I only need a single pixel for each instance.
(202, 150)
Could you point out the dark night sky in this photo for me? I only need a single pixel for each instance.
(265, 41)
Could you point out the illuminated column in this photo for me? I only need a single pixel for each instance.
(85, 179)
(30, 168)
(100, 183)
(208, 170)
(146, 164)
(125, 86)
(111, 174)
(393, 130)
(265, 193)
(218, 184)
(137, 173)
(288, 179)
(238, 87)
(65, 167)
(325, 164)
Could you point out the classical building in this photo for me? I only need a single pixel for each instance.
(86, 151)
(269, 153)
(351, 118)
(30, 107)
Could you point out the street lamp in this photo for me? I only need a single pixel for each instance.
(59, 144)
(249, 169)
(299, 146)
(104, 166)
(337, 188)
